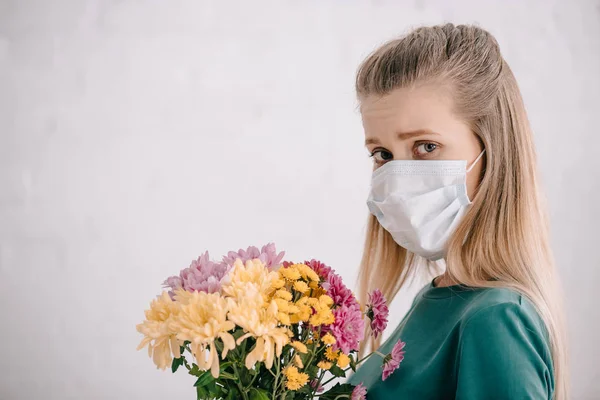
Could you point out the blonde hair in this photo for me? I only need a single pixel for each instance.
(505, 228)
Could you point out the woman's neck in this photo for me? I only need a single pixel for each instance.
(444, 281)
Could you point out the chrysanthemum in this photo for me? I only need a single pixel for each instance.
(202, 275)
(298, 361)
(341, 295)
(326, 365)
(322, 313)
(348, 328)
(392, 361)
(343, 360)
(331, 354)
(377, 312)
(359, 392)
(253, 276)
(158, 333)
(267, 255)
(202, 320)
(299, 346)
(294, 379)
(321, 269)
(258, 318)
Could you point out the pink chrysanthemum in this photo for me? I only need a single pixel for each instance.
(337, 290)
(203, 275)
(359, 392)
(348, 328)
(392, 361)
(377, 312)
(268, 255)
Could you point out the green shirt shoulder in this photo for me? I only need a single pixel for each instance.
(466, 343)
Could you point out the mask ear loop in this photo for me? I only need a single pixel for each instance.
(476, 160)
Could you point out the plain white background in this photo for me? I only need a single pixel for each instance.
(136, 134)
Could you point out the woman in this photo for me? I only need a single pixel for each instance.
(455, 180)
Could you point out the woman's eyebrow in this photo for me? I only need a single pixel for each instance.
(412, 134)
(404, 136)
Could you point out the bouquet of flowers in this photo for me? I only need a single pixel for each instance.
(253, 327)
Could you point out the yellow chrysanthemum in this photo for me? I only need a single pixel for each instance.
(324, 365)
(330, 354)
(294, 379)
(290, 273)
(323, 313)
(307, 272)
(343, 360)
(299, 346)
(328, 339)
(282, 305)
(202, 320)
(253, 276)
(301, 286)
(283, 294)
(158, 333)
(259, 320)
(298, 361)
(278, 283)
(304, 310)
(284, 318)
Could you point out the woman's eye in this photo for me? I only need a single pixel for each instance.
(381, 156)
(424, 149)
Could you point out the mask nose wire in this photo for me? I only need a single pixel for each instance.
(476, 160)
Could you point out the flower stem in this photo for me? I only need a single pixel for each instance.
(275, 384)
(243, 391)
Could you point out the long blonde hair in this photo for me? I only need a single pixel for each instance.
(505, 228)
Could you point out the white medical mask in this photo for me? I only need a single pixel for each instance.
(420, 203)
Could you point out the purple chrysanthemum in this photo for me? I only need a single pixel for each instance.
(377, 312)
(392, 361)
(268, 255)
(359, 392)
(203, 275)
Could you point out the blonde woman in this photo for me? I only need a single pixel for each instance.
(455, 181)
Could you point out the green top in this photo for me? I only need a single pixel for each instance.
(465, 343)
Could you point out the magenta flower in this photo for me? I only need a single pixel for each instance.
(392, 361)
(348, 328)
(268, 255)
(377, 312)
(341, 295)
(359, 392)
(203, 275)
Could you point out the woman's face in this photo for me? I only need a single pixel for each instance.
(419, 124)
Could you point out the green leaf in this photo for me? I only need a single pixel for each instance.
(352, 363)
(195, 370)
(337, 371)
(258, 394)
(202, 393)
(177, 362)
(204, 379)
(337, 390)
(312, 371)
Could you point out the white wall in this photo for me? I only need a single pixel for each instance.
(136, 134)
